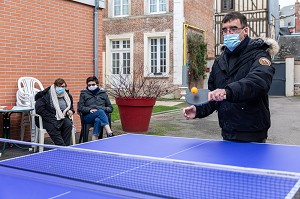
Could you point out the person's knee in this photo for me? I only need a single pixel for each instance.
(100, 112)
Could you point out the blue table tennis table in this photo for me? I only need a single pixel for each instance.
(86, 175)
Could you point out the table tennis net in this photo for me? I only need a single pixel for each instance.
(157, 177)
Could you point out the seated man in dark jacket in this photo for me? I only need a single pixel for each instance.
(55, 105)
(93, 105)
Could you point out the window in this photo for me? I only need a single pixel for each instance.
(120, 56)
(156, 53)
(227, 5)
(121, 7)
(156, 6)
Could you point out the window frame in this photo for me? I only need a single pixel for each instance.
(147, 54)
(121, 9)
(110, 51)
(224, 9)
(148, 7)
(122, 55)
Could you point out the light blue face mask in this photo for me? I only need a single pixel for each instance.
(92, 88)
(231, 41)
(60, 90)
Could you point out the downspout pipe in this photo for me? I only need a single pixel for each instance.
(96, 42)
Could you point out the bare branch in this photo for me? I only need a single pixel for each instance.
(137, 86)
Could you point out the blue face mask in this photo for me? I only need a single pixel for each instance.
(60, 90)
(231, 41)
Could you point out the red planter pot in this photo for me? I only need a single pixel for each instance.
(135, 113)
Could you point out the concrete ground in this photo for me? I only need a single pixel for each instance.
(285, 118)
(285, 127)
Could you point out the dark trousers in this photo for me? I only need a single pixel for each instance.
(62, 136)
(257, 141)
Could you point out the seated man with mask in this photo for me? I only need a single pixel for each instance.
(55, 105)
(93, 105)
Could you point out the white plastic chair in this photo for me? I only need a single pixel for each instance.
(27, 88)
(40, 132)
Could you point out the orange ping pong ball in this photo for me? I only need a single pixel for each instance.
(194, 90)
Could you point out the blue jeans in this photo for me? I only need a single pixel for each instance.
(98, 118)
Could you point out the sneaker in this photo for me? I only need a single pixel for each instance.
(110, 134)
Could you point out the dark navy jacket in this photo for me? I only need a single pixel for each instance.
(88, 101)
(244, 115)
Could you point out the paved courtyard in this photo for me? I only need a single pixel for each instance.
(285, 127)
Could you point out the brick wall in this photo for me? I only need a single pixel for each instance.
(46, 39)
(199, 13)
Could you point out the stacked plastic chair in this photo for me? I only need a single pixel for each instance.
(27, 88)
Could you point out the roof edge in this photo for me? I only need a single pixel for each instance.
(87, 2)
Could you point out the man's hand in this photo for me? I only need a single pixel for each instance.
(189, 112)
(217, 95)
(93, 110)
(69, 113)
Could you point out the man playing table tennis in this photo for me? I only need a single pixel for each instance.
(239, 83)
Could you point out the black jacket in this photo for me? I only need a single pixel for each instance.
(88, 101)
(44, 108)
(244, 115)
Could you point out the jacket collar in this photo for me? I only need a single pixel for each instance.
(223, 62)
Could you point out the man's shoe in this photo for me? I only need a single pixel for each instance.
(110, 135)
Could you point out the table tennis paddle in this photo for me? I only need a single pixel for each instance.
(198, 97)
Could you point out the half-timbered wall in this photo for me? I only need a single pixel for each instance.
(256, 12)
